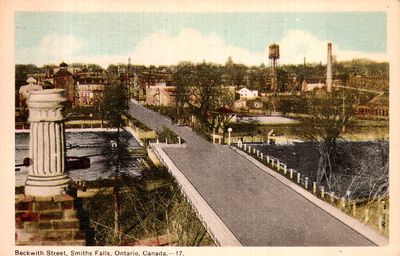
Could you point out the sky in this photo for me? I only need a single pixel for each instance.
(167, 38)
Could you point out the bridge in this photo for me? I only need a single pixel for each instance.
(243, 203)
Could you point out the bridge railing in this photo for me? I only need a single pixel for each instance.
(217, 230)
(377, 217)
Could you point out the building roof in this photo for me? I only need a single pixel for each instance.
(31, 80)
(63, 72)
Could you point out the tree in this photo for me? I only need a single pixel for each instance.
(362, 171)
(114, 106)
(197, 87)
(115, 103)
(282, 79)
(223, 114)
(21, 74)
(234, 74)
(182, 79)
(328, 117)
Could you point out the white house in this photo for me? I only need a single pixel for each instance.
(247, 94)
(309, 87)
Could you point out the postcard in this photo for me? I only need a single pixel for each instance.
(188, 128)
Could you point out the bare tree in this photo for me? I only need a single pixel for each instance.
(328, 117)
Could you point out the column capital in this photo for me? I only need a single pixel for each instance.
(46, 105)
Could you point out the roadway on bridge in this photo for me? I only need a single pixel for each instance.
(256, 207)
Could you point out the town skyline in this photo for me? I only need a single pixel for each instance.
(169, 38)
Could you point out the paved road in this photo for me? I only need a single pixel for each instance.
(256, 207)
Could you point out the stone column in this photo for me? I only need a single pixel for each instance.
(46, 175)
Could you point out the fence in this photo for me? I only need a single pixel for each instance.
(70, 125)
(374, 213)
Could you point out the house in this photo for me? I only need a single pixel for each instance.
(247, 94)
(309, 87)
(89, 94)
(377, 107)
(89, 89)
(160, 94)
(25, 91)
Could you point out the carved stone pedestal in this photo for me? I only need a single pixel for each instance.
(47, 175)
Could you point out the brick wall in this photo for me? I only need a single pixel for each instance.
(46, 221)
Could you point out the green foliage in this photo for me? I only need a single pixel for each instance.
(144, 213)
(198, 88)
(182, 80)
(234, 74)
(291, 104)
(257, 78)
(21, 73)
(115, 104)
(88, 67)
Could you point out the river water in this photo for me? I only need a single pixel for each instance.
(90, 143)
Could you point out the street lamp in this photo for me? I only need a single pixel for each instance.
(229, 135)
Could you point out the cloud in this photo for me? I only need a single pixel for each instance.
(162, 48)
(190, 45)
(297, 44)
(52, 48)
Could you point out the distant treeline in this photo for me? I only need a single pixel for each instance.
(253, 77)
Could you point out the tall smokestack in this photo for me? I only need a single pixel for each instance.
(329, 69)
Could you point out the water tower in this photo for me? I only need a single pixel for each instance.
(273, 56)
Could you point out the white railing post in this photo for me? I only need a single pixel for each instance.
(322, 188)
(366, 215)
(291, 173)
(342, 202)
(306, 182)
(332, 197)
(298, 177)
(354, 209)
